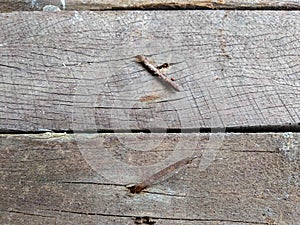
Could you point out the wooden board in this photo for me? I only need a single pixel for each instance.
(237, 179)
(77, 70)
(18, 5)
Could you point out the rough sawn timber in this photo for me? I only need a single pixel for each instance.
(18, 5)
(77, 70)
(244, 179)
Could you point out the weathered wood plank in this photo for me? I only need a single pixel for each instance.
(237, 179)
(77, 71)
(18, 5)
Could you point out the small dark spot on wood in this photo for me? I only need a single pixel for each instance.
(148, 98)
(225, 15)
(143, 220)
(165, 65)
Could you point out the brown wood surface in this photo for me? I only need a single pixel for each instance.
(77, 70)
(244, 179)
(18, 5)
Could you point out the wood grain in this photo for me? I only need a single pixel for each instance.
(248, 179)
(19, 5)
(77, 71)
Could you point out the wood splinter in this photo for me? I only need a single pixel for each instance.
(157, 176)
(156, 71)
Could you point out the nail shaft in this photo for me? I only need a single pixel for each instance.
(156, 71)
(157, 176)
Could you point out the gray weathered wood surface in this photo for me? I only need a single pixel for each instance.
(18, 5)
(77, 71)
(246, 179)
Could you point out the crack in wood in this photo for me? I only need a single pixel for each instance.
(292, 127)
(26, 213)
(25, 5)
(157, 218)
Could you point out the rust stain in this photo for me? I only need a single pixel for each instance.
(148, 98)
(223, 44)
